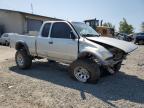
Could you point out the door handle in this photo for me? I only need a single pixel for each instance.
(50, 42)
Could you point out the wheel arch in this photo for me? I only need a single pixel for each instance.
(88, 54)
(22, 45)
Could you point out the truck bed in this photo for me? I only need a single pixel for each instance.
(29, 40)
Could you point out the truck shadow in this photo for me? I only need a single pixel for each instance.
(110, 88)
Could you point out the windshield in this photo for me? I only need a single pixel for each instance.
(84, 30)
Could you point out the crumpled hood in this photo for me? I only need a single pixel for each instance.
(123, 45)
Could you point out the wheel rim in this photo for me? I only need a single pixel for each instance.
(20, 60)
(81, 74)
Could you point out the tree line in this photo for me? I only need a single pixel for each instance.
(124, 26)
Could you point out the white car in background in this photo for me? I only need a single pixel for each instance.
(5, 39)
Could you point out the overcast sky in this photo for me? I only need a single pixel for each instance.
(79, 10)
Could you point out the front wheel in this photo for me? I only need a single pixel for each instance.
(23, 60)
(85, 71)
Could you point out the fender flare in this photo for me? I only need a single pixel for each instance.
(22, 45)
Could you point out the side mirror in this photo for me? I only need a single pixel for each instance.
(72, 35)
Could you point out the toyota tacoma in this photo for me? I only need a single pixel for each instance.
(74, 43)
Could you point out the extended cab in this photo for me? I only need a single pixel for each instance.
(88, 54)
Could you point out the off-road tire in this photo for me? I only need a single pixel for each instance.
(26, 58)
(91, 66)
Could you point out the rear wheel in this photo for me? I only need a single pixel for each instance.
(23, 60)
(85, 71)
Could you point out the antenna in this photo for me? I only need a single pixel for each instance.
(32, 8)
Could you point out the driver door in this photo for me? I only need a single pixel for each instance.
(61, 46)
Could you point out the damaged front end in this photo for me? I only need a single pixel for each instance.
(118, 50)
(113, 64)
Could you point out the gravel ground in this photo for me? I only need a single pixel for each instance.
(6, 53)
(48, 85)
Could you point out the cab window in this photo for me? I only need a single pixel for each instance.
(61, 30)
(46, 30)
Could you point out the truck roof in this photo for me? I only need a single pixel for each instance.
(53, 21)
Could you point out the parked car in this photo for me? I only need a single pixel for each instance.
(4, 40)
(123, 36)
(73, 43)
(139, 38)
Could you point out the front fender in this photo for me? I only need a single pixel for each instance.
(99, 54)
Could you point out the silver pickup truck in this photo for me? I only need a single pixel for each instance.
(75, 43)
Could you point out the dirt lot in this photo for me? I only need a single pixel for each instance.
(47, 85)
(6, 53)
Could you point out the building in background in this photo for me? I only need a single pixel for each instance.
(21, 22)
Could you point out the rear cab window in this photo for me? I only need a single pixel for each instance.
(46, 30)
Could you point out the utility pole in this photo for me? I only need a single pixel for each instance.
(32, 8)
